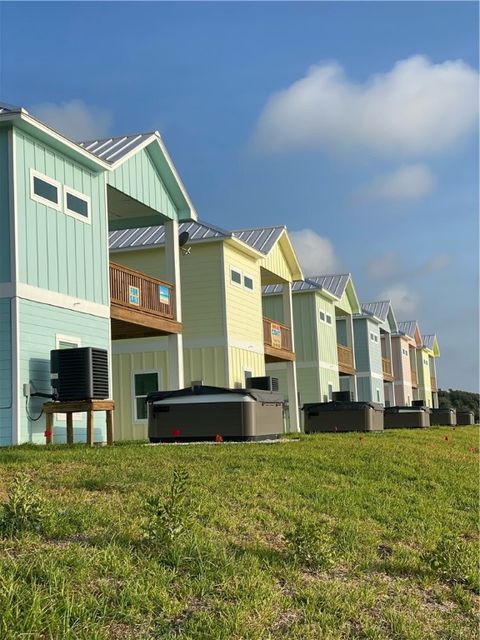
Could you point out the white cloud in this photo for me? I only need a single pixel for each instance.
(391, 266)
(403, 300)
(315, 253)
(75, 119)
(417, 107)
(410, 182)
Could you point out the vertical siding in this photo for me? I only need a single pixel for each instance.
(138, 178)
(276, 263)
(56, 251)
(363, 344)
(39, 326)
(241, 359)
(124, 365)
(5, 275)
(5, 373)
(424, 384)
(342, 331)
(401, 370)
(207, 364)
(201, 277)
(243, 306)
(272, 307)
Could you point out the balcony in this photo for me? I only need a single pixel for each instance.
(387, 369)
(277, 341)
(345, 360)
(433, 383)
(414, 379)
(140, 306)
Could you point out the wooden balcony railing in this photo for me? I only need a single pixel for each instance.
(134, 289)
(277, 335)
(387, 368)
(141, 305)
(345, 359)
(433, 383)
(414, 379)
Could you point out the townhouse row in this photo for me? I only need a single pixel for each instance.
(101, 246)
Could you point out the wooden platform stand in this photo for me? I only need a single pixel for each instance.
(79, 406)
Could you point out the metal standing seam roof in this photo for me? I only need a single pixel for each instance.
(333, 284)
(408, 327)
(112, 150)
(429, 341)
(9, 108)
(378, 309)
(261, 239)
(155, 236)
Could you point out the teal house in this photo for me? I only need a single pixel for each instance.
(373, 328)
(58, 289)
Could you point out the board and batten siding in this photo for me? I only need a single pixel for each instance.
(39, 325)
(139, 178)
(243, 306)
(239, 361)
(424, 384)
(56, 251)
(5, 373)
(5, 275)
(124, 366)
(276, 263)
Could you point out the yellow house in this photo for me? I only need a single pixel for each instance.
(226, 339)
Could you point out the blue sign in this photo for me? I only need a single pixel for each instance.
(134, 295)
(164, 294)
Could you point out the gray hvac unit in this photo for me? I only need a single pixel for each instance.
(263, 383)
(342, 396)
(79, 374)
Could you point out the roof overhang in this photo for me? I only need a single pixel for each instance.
(290, 256)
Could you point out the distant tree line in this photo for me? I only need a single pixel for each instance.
(456, 399)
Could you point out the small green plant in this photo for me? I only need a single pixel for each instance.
(455, 560)
(25, 509)
(168, 517)
(311, 545)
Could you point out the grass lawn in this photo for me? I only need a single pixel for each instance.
(332, 536)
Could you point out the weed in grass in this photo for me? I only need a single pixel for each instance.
(25, 509)
(455, 560)
(311, 544)
(168, 518)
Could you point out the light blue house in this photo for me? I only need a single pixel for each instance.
(58, 200)
(373, 328)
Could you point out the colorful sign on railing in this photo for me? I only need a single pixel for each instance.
(276, 334)
(134, 295)
(164, 294)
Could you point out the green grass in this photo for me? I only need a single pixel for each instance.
(333, 536)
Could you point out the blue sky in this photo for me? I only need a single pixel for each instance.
(387, 195)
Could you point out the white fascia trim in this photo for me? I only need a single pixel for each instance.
(369, 374)
(55, 299)
(26, 117)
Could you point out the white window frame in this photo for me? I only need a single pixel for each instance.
(59, 337)
(247, 275)
(327, 316)
(320, 311)
(378, 394)
(54, 183)
(134, 396)
(232, 281)
(74, 214)
(329, 395)
(245, 371)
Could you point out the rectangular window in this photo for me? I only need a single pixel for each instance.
(378, 395)
(322, 316)
(248, 282)
(76, 204)
(373, 337)
(45, 190)
(330, 391)
(143, 383)
(328, 318)
(236, 277)
(248, 374)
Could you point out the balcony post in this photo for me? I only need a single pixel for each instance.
(172, 272)
(293, 407)
(351, 344)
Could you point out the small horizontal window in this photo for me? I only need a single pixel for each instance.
(328, 318)
(236, 276)
(45, 190)
(77, 204)
(248, 282)
(322, 316)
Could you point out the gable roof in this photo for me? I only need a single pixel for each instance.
(112, 150)
(155, 236)
(10, 108)
(378, 309)
(334, 285)
(430, 342)
(408, 327)
(262, 239)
